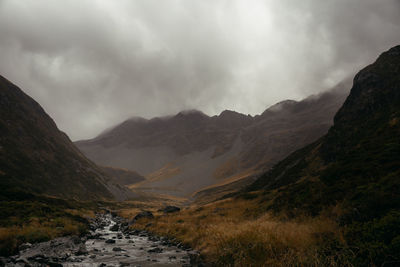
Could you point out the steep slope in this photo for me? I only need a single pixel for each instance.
(353, 172)
(36, 157)
(182, 154)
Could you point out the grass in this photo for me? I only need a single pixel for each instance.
(36, 219)
(37, 230)
(239, 232)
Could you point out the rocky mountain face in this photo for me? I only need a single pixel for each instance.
(353, 172)
(36, 157)
(182, 154)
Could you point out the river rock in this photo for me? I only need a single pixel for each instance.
(25, 246)
(155, 250)
(144, 214)
(114, 228)
(81, 251)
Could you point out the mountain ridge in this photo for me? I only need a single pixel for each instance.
(201, 150)
(353, 172)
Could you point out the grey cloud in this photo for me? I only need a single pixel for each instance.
(92, 64)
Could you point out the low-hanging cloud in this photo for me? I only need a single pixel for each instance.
(92, 64)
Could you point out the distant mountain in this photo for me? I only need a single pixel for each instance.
(36, 157)
(182, 154)
(353, 172)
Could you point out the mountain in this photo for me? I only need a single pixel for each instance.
(353, 172)
(183, 154)
(35, 157)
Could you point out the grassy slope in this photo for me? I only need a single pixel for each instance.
(353, 173)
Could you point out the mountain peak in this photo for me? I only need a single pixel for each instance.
(191, 113)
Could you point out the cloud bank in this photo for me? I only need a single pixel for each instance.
(92, 64)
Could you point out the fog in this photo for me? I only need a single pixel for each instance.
(93, 64)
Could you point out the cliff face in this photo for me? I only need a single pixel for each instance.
(36, 157)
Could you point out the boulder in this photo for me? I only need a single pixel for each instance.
(171, 209)
(114, 228)
(143, 214)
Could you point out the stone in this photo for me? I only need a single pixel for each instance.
(54, 264)
(114, 228)
(81, 251)
(171, 209)
(110, 241)
(143, 214)
(155, 250)
(25, 246)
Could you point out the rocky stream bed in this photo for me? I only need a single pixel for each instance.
(109, 243)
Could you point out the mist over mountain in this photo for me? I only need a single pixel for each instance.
(100, 62)
(190, 151)
(353, 172)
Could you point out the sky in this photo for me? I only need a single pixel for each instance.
(93, 64)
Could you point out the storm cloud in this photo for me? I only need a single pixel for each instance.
(93, 64)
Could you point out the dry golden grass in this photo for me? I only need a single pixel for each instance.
(239, 233)
(37, 230)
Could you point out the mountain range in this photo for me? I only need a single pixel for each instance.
(189, 152)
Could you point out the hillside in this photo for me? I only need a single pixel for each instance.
(36, 157)
(183, 154)
(353, 172)
(335, 202)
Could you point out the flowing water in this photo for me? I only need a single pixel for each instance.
(129, 250)
(105, 247)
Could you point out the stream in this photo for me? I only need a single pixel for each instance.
(108, 244)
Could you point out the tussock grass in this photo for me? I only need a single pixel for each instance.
(37, 230)
(238, 232)
(40, 219)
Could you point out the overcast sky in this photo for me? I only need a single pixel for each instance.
(93, 64)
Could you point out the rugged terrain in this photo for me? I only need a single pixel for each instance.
(352, 172)
(334, 202)
(183, 154)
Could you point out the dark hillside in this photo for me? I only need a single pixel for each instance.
(36, 157)
(353, 172)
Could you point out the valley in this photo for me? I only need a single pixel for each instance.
(184, 154)
(306, 183)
